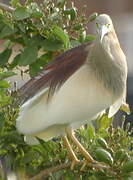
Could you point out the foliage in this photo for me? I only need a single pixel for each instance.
(46, 30)
(43, 32)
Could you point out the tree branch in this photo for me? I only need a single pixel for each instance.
(6, 7)
(50, 170)
(46, 172)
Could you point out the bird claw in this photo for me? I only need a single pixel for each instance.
(83, 166)
(93, 164)
(74, 163)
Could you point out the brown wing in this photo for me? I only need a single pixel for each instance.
(56, 72)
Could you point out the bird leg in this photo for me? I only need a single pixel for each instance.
(89, 160)
(71, 152)
(88, 157)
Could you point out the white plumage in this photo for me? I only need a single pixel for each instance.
(82, 97)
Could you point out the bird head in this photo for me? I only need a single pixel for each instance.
(104, 26)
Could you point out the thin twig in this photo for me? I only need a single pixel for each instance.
(46, 172)
(50, 170)
(6, 7)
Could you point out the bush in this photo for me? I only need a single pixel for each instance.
(42, 32)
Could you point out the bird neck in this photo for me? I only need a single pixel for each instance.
(108, 64)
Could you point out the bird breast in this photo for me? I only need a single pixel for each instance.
(108, 64)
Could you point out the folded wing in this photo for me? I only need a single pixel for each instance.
(56, 72)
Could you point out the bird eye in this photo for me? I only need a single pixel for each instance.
(107, 25)
(97, 25)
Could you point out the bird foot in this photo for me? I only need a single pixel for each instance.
(74, 163)
(85, 163)
(93, 164)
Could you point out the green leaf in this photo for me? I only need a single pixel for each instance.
(90, 131)
(103, 122)
(2, 120)
(49, 45)
(4, 99)
(61, 3)
(4, 84)
(29, 55)
(21, 13)
(36, 40)
(77, 27)
(6, 22)
(2, 153)
(120, 154)
(46, 44)
(15, 61)
(36, 67)
(93, 16)
(4, 57)
(14, 3)
(44, 59)
(21, 26)
(100, 175)
(75, 43)
(82, 36)
(7, 31)
(128, 167)
(103, 156)
(102, 142)
(62, 36)
(72, 12)
(2, 25)
(4, 75)
(89, 38)
(34, 10)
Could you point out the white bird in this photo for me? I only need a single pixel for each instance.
(75, 88)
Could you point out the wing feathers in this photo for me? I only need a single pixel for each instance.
(56, 72)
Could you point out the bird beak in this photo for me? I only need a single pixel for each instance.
(103, 30)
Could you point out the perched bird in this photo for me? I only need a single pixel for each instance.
(75, 88)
